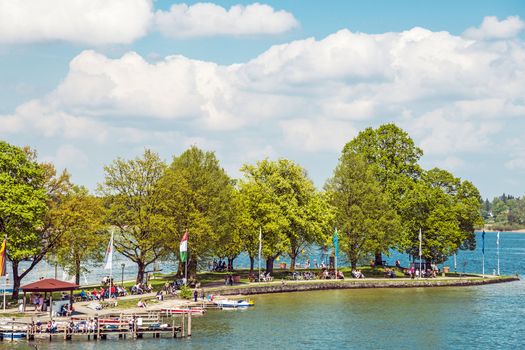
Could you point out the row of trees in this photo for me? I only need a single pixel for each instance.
(378, 198)
(505, 212)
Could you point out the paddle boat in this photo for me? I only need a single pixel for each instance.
(234, 304)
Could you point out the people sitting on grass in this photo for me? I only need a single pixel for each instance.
(340, 275)
(142, 304)
(389, 273)
(357, 274)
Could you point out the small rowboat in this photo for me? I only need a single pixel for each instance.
(233, 304)
(175, 311)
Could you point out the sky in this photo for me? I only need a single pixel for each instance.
(85, 82)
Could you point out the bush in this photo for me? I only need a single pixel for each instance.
(186, 292)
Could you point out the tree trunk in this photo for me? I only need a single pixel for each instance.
(77, 271)
(192, 269)
(292, 261)
(353, 263)
(269, 265)
(230, 264)
(16, 280)
(378, 259)
(252, 262)
(140, 272)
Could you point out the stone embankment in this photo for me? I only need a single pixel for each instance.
(300, 286)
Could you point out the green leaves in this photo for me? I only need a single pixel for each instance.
(278, 198)
(23, 200)
(363, 215)
(133, 207)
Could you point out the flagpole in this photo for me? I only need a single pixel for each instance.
(497, 241)
(336, 248)
(260, 248)
(420, 254)
(3, 266)
(483, 254)
(5, 287)
(186, 268)
(111, 267)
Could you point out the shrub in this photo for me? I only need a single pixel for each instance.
(186, 292)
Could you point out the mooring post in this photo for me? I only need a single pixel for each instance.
(182, 324)
(189, 323)
(173, 329)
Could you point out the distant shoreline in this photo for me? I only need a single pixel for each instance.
(512, 231)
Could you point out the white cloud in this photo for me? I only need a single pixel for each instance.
(101, 22)
(68, 156)
(207, 19)
(92, 22)
(492, 28)
(453, 95)
(317, 134)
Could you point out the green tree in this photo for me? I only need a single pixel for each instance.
(84, 237)
(283, 203)
(363, 214)
(23, 205)
(394, 156)
(198, 195)
(446, 210)
(134, 208)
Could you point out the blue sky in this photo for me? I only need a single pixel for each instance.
(292, 79)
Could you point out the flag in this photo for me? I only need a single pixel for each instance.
(2, 258)
(336, 243)
(260, 243)
(109, 254)
(184, 247)
(420, 239)
(483, 242)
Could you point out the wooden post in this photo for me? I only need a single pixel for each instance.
(189, 323)
(24, 308)
(173, 329)
(51, 306)
(71, 297)
(98, 328)
(182, 325)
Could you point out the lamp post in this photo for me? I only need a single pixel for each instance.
(122, 279)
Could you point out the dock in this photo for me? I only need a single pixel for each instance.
(152, 324)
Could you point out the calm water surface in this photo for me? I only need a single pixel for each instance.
(484, 317)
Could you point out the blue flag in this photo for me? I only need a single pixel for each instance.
(483, 242)
(336, 243)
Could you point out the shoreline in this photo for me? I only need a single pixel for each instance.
(509, 231)
(285, 286)
(301, 286)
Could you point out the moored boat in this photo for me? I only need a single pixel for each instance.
(233, 304)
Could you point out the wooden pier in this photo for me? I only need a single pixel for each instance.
(123, 326)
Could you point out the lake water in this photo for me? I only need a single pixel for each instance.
(482, 317)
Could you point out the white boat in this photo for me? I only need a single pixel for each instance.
(233, 304)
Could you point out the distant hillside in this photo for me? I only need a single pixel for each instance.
(504, 213)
